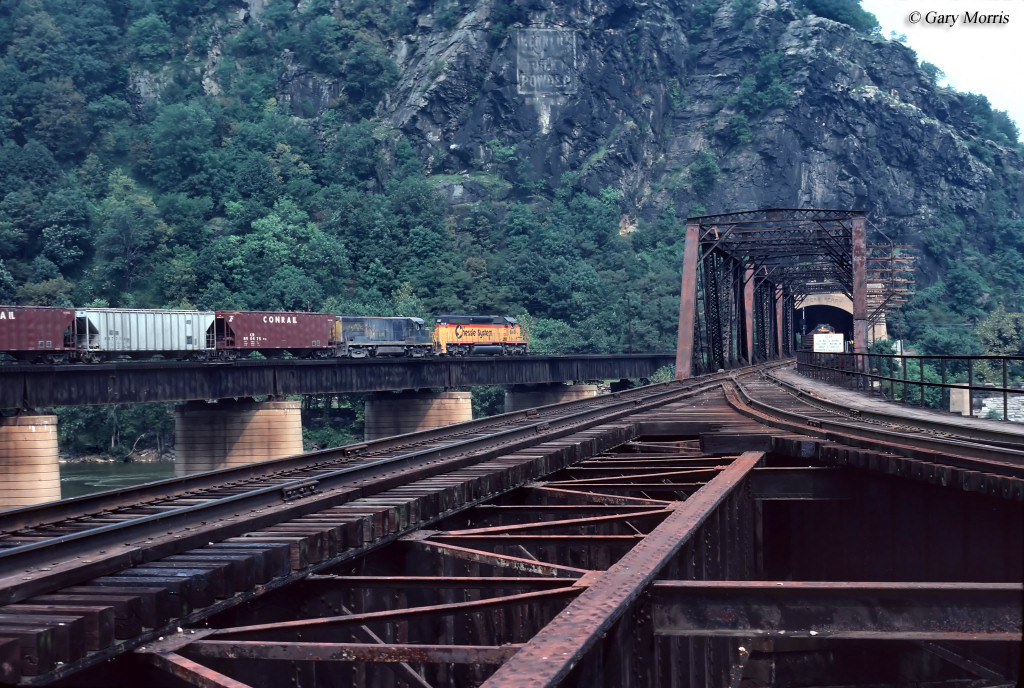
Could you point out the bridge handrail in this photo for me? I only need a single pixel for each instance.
(903, 377)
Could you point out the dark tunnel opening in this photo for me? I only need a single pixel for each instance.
(810, 317)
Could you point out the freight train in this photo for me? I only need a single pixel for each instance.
(42, 334)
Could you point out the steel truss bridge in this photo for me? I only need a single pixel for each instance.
(744, 274)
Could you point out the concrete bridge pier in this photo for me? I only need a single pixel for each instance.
(231, 433)
(29, 470)
(521, 397)
(388, 413)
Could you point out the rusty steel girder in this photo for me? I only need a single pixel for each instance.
(776, 256)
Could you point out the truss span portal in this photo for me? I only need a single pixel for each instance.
(745, 272)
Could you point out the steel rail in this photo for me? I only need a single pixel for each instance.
(997, 438)
(175, 488)
(42, 566)
(999, 460)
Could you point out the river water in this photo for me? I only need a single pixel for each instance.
(85, 477)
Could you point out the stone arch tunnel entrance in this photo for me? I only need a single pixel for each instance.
(809, 317)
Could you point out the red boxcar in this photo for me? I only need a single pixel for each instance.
(37, 332)
(271, 334)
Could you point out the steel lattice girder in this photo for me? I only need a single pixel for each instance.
(845, 610)
(809, 245)
(548, 658)
(793, 251)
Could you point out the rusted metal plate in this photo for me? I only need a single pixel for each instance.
(192, 673)
(352, 652)
(551, 654)
(848, 610)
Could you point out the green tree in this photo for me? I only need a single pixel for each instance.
(1002, 333)
(704, 173)
(183, 142)
(130, 231)
(7, 286)
(60, 119)
(845, 11)
(150, 38)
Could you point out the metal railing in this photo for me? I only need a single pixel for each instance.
(926, 381)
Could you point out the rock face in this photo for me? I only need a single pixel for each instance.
(637, 96)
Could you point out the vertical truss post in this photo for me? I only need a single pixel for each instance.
(712, 267)
(687, 303)
(735, 289)
(778, 321)
(860, 284)
(789, 310)
(748, 313)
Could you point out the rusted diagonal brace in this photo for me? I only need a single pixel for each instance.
(551, 654)
(403, 671)
(277, 630)
(192, 673)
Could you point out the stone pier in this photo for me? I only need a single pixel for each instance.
(29, 470)
(389, 414)
(232, 433)
(522, 397)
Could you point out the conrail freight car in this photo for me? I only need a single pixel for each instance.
(305, 335)
(37, 333)
(61, 335)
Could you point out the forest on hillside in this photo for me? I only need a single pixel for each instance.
(147, 159)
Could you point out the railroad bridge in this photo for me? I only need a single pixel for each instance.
(749, 526)
(221, 425)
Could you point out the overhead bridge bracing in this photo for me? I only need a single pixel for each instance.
(744, 274)
(39, 386)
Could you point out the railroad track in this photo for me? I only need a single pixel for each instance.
(133, 561)
(89, 579)
(989, 461)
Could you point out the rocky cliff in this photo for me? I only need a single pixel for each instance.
(697, 107)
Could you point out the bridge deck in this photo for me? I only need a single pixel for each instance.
(682, 535)
(862, 401)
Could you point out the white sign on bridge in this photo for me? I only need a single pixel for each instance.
(829, 343)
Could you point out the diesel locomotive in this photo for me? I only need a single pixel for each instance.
(42, 334)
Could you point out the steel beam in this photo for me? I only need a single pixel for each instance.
(749, 313)
(190, 672)
(860, 286)
(862, 611)
(687, 304)
(548, 658)
(352, 652)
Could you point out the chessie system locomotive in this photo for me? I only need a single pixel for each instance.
(40, 334)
